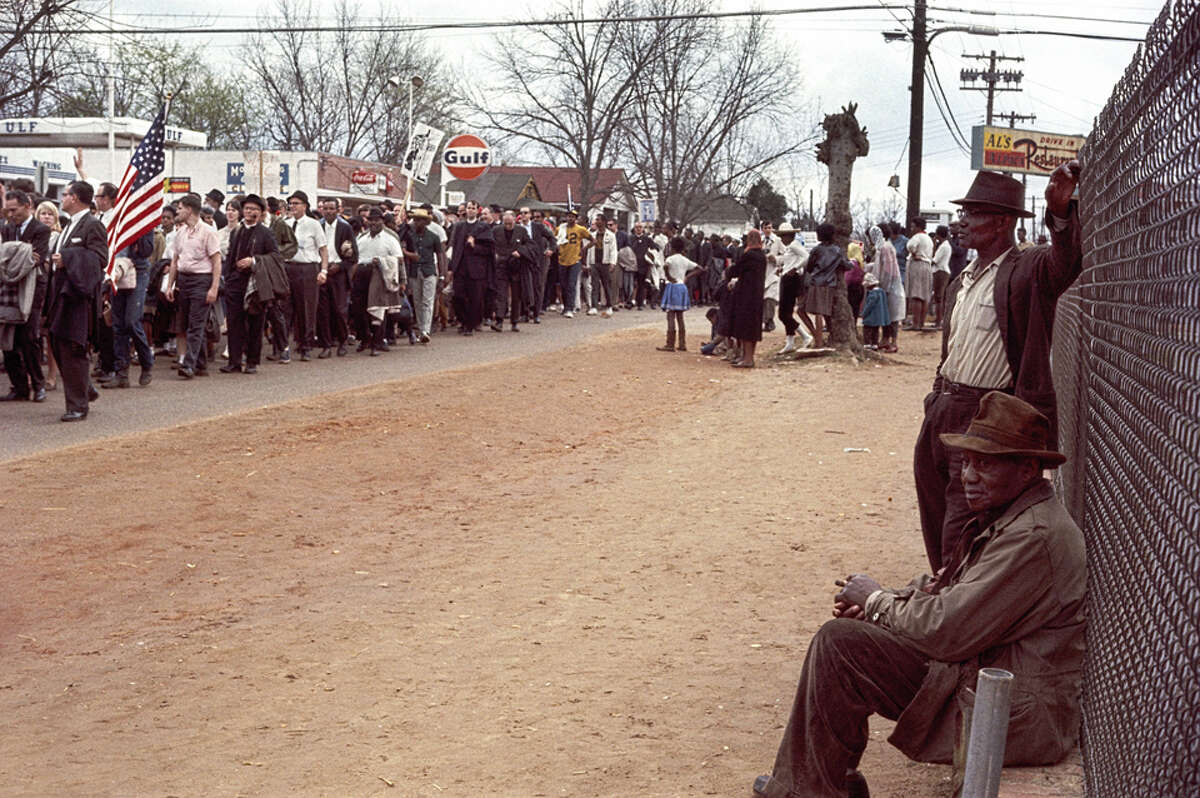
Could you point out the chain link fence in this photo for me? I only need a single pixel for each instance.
(1127, 372)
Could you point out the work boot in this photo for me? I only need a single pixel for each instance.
(144, 377)
(670, 345)
(119, 379)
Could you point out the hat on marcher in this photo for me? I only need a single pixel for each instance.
(785, 228)
(375, 212)
(215, 196)
(870, 280)
(254, 199)
(997, 192)
(420, 213)
(572, 212)
(300, 195)
(1007, 426)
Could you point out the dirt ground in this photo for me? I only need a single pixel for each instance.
(591, 572)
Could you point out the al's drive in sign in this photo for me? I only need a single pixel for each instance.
(1033, 152)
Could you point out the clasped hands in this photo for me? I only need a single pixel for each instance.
(850, 600)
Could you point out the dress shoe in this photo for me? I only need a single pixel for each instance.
(514, 328)
(250, 370)
(145, 377)
(341, 350)
(13, 396)
(362, 346)
(760, 785)
(497, 326)
(73, 415)
(201, 372)
(537, 319)
(39, 395)
(186, 373)
(424, 338)
(304, 358)
(383, 348)
(286, 357)
(324, 353)
(102, 376)
(229, 368)
(93, 394)
(856, 785)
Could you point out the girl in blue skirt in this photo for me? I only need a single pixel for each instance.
(675, 299)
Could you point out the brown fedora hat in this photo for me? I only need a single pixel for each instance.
(1006, 425)
(997, 192)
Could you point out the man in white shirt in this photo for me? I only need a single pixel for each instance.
(773, 248)
(332, 321)
(374, 246)
(306, 272)
(918, 280)
(601, 260)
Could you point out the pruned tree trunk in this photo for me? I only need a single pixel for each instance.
(845, 140)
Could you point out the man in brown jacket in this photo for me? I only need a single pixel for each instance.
(996, 336)
(1011, 596)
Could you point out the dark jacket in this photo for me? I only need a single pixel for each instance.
(285, 239)
(542, 239)
(1028, 285)
(508, 241)
(340, 262)
(75, 286)
(642, 245)
(270, 278)
(37, 235)
(1016, 601)
(475, 262)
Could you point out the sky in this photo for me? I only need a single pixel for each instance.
(842, 57)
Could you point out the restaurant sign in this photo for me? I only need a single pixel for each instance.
(1033, 152)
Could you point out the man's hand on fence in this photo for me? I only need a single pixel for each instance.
(1062, 185)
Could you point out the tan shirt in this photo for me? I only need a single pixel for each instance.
(194, 248)
(975, 354)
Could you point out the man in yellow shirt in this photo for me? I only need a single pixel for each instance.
(571, 246)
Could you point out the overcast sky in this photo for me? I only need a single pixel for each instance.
(843, 57)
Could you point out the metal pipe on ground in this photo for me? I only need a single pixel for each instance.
(989, 730)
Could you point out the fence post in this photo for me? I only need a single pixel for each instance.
(989, 729)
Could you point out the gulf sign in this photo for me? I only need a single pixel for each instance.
(466, 157)
(1031, 152)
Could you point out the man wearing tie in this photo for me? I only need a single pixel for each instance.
(542, 239)
(23, 362)
(80, 255)
(342, 254)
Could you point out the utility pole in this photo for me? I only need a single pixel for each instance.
(991, 77)
(916, 116)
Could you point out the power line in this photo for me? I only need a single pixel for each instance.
(938, 83)
(1041, 16)
(485, 25)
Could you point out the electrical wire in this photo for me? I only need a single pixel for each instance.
(937, 102)
(937, 81)
(1015, 13)
(485, 25)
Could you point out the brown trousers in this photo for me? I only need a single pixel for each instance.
(852, 670)
(938, 470)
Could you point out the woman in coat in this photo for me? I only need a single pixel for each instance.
(747, 278)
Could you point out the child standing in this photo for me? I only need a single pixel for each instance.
(675, 299)
(875, 315)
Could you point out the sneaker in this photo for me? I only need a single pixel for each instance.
(286, 357)
(607, 313)
(593, 312)
(568, 314)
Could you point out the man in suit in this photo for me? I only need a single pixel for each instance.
(470, 267)
(23, 362)
(542, 239)
(332, 322)
(514, 263)
(79, 257)
(249, 242)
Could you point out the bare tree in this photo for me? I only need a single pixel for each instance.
(565, 90)
(329, 91)
(712, 110)
(35, 52)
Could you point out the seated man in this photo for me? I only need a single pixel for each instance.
(1012, 597)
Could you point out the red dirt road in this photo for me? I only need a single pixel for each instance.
(590, 572)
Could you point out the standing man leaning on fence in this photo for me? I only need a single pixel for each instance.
(996, 336)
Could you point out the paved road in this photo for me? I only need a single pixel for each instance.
(27, 428)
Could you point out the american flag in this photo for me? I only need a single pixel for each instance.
(140, 194)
